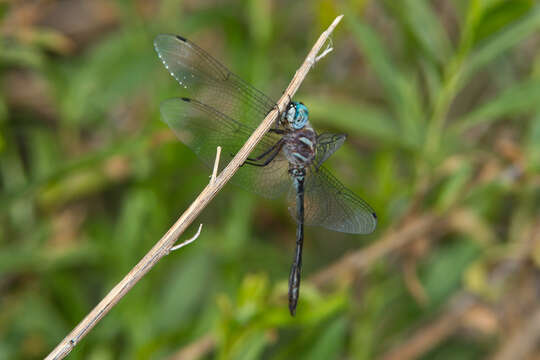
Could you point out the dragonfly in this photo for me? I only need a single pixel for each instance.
(224, 110)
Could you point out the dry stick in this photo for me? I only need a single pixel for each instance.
(162, 247)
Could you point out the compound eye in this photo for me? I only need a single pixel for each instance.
(301, 116)
(290, 114)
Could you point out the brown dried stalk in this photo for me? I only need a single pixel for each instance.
(163, 246)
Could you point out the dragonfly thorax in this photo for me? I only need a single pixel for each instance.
(295, 116)
(300, 145)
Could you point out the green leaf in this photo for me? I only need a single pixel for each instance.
(331, 343)
(533, 148)
(502, 41)
(444, 271)
(377, 56)
(454, 186)
(356, 118)
(16, 54)
(519, 99)
(401, 90)
(418, 17)
(499, 14)
(182, 290)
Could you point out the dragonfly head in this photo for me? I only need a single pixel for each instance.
(295, 115)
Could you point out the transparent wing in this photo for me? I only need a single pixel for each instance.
(203, 129)
(328, 203)
(211, 83)
(327, 144)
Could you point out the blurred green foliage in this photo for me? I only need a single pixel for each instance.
(441, 103)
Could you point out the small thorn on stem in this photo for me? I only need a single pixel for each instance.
(328, 49)
(216, 165)
(188, 241)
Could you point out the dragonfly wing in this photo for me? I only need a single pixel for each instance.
(203, 129)
(327, 144)
(328, 203)
(208, 81)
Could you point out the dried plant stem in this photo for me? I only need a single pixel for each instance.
(163, 246)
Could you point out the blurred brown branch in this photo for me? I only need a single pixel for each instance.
(465, 309)
(196, 350)
(523, 342)
(163, 246)
(361, 260)
(433, 333)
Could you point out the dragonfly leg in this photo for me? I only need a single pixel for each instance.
(273, 147)
(272, 156)
(267, 161)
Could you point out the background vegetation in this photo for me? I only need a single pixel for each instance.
(441, 101)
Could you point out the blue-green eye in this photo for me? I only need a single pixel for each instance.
(296, 115)
(300, 116)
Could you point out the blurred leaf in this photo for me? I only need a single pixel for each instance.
(135, 220)
(418, 17)
(476, 279)
(433, 81)
(21, 212)
(3, 110)
(461, 348)
(90, 161)
(260, 19)
(454, 186)
(28, 257)
(503, 40)
(4, 8)
(356, 118)
(443, 274)
(3, 117)
(252, 346)
(241, 330)
(533, 146)
(401, 89)
(331, 343)
(237, 228)
(182, 289)
(16, 54)
(44, 152)
(48, 40)
(314, 307)
(251, 296)
(72, 187)
(500, 13)
(517, 100)
(117, 68)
